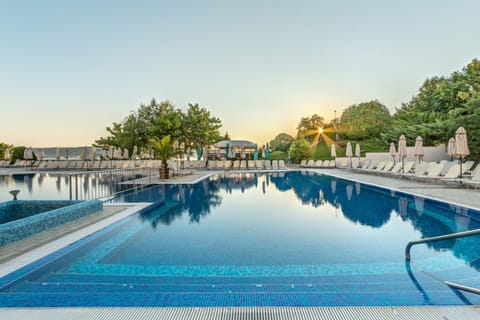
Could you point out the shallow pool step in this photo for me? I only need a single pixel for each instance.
(203, 299)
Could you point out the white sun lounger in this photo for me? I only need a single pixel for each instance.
(268, 165)
(243, 164)
(236, 164)
(388, 166)
(228, 164)
(281, 164)
(318, 164)
(251, 164)
(311, 163)
(275, 164)
(259, 164)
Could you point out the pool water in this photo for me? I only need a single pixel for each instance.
(272, 239)
(64, 186)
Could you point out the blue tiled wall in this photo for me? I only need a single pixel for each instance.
(26, 227)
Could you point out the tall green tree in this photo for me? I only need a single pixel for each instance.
(281, 142)
(365, 120)
(199, 127)
(299, 150)
(308, 126)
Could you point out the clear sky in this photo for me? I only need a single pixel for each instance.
(70, 68)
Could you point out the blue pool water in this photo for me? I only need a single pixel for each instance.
(276, 239)
(64, 185)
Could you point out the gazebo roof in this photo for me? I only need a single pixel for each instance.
(234, 143)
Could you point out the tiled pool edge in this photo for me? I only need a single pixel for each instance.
(41, 252)
(240, 313)
(26, 227)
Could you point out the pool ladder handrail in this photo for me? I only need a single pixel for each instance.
(455, 235)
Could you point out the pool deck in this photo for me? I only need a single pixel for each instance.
(451, 193)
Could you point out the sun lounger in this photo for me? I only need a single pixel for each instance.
(303, 163)
(380, 165)
(311, 163)
(236, 164)
(355, 163)
(228, 164)
(332, 164)
(475, 180)
(435, 170)
(281, 164)
(388, 166)
(372, 165)
(365, 164)
(251, 164)
(453, 172)
(211, 164)
(243, 164)
(259, 164)
(318, 164)
(446, 167)
(220, 164)
(268, 165)
(275, 164)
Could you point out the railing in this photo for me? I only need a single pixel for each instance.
(106, 183)
(456, 235)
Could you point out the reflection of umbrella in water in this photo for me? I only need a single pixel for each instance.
(349, 189)
(357, 188)
(402, 206)
(419, 149)
(263, 186)
(28, 181)
(419, 201)
(334, 186)
(58, 183)
(40, 178)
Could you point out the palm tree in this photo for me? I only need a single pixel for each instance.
(164, 150)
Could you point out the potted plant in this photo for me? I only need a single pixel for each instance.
(164, 150)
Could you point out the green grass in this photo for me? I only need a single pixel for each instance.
(278, 155)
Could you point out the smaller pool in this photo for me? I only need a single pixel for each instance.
(15, 210)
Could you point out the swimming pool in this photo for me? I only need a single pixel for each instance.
(66, 186)
(272, 239)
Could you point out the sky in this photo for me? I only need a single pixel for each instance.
(69, 69)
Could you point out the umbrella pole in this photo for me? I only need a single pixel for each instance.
(461, 168)
(403, 166)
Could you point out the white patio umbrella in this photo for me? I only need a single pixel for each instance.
(232, 153)
(392, 151)
(111, 152)
(402, 151)
(461, 146)
(451, 148)
(263, 153)
(58, 153)
(349, 153)
(104, 154)
(125, 154)
(419, 149)
(7, 154)
(134, 152)
(333, 152)
(205, 153)
(357, 151)
(84, 154)
(94, 153)
(41, 154)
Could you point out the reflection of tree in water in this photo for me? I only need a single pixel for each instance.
(196, 200)
(372, 208)
(306, 188)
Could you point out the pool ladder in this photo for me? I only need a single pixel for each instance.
(456, 235)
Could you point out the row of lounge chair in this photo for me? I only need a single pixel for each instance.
(445, 170)
(247, 164)
(317, 164)
(176, 165)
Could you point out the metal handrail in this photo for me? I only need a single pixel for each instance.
(456, 235)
